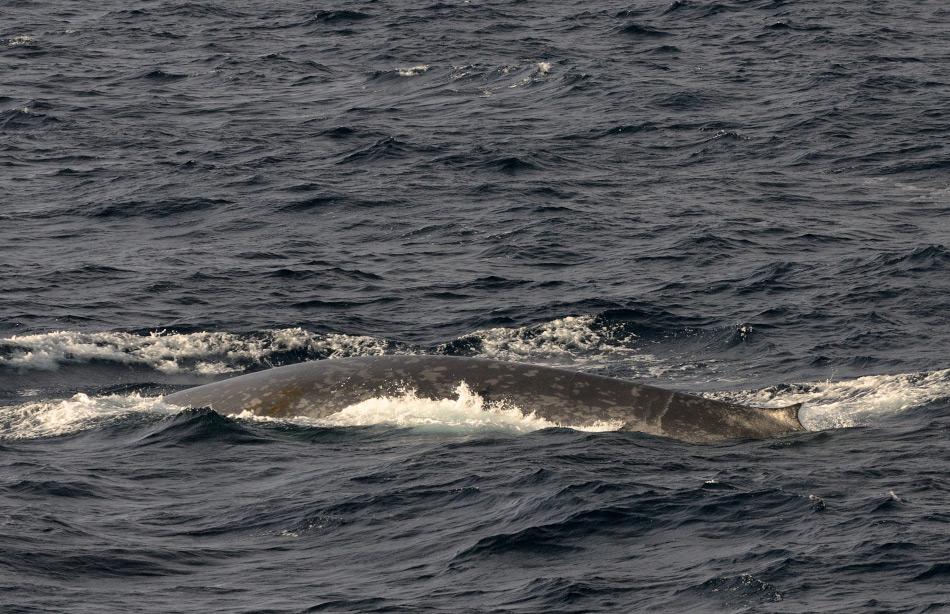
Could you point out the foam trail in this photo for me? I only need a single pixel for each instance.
(855, 402)
(467, 412)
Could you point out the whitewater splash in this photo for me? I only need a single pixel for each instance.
(856, 402)
(467, 412)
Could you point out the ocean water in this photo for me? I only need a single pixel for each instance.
(746, 199)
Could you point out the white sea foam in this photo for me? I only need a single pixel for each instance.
(570, 335)
(573, 339)
(467, 412)
(202, 352)
(544, 67)
(853, 402)
(79, 412)
(19, 40)
(412, 71)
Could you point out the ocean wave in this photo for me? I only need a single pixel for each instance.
(582, 341)
(57, 417)
(25, 118)
(336, 17)
(157, 209)
(207, 353)
(198, 426)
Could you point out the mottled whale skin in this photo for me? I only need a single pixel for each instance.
(321, 388)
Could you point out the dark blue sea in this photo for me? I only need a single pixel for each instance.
(746, 199)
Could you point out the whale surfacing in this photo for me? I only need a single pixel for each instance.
(322, 388)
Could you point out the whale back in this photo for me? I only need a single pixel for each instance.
(321, 388)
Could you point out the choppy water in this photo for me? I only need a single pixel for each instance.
(746, 199)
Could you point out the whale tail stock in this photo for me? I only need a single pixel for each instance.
(785, 415)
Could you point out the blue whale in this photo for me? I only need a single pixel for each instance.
(567, 398)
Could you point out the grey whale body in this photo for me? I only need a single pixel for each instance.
(321, 388)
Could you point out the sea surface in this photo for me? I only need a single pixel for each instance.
(746, 199)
